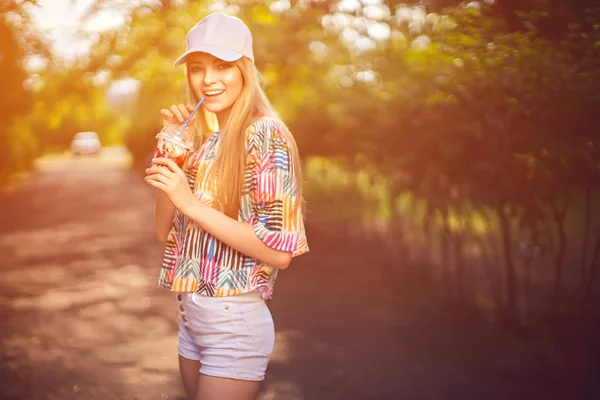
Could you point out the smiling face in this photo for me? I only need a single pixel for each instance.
(219, 82)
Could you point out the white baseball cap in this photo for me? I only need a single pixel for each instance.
(221, 35)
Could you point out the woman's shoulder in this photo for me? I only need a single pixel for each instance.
(264, 130)
(265, 126)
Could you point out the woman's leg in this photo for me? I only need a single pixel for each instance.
(216, 388)
(190, 374)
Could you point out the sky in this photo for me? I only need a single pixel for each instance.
(60, 20)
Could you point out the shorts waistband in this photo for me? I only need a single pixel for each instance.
(252, 297)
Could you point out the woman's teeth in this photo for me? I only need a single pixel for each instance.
(213, 92)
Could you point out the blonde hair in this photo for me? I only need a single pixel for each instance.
(229, 166)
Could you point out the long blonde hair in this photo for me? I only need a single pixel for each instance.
(229, 166)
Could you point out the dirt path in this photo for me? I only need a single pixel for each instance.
(82, 316)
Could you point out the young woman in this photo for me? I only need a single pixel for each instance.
(231, 220)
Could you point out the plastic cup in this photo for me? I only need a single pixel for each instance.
(174, 143)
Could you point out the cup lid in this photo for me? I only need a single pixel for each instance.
(176, 140)
(175, 134)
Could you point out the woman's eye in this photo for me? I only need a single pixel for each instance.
(195, 69)
(224, 66)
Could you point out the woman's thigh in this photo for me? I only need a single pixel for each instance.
(190, 374)
(217, 388)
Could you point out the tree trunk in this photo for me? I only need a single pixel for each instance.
(559, 219)
(531, 257)
(587, 293)
(446, 260)
(459, 267)
(488, 267)
(586, 234)
(511, 282)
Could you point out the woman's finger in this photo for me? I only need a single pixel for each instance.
(158, 178)
(167, 116)
(184, 111)
(157, 184)
(158, 169)
(177, 113)
(163, 171)
(166, 162)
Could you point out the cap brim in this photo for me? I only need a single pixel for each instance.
(217, 51)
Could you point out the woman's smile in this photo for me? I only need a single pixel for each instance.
(212, 93)
(218, 81)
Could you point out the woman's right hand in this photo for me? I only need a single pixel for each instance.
(176, 114)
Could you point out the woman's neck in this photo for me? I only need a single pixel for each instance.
(222, 118)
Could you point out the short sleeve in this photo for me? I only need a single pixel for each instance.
(275, 206)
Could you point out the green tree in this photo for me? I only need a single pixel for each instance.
(16, 44)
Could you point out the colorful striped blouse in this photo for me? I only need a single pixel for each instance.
(196, 261)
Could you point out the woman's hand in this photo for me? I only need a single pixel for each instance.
(165, 175)
(176, 114)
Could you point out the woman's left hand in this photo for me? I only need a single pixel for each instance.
(165, 175)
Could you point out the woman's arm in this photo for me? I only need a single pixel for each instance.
(172, 182)
(235, 234)
(164, 212)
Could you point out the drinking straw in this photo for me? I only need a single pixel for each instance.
(190, 117)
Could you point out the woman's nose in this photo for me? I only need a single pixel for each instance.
(209, 76)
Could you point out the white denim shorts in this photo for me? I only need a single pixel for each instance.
(232, 337)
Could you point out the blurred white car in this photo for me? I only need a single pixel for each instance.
(86, 143)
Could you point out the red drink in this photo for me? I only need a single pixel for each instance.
(174, 144)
